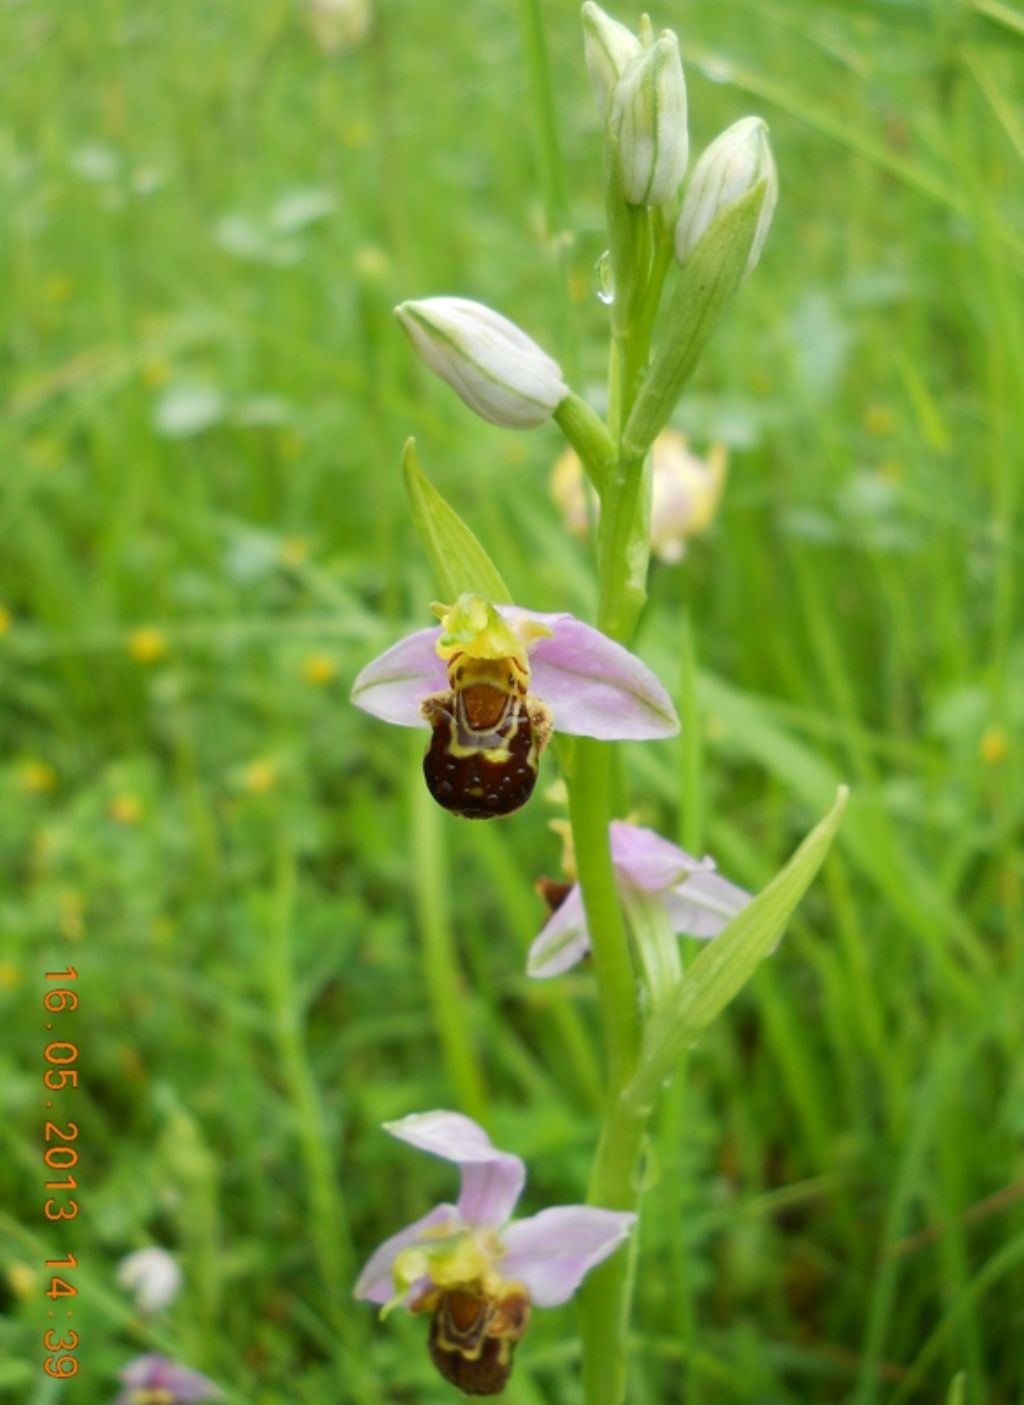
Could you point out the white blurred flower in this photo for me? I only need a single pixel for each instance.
(339, 24)
(569, 492)
(152, 1277)
(685, 493)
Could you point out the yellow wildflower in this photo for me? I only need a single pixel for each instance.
(125, 808)
(994, 746)
(147, 645)
(259, 776)
(319, 669)
(294, 551)
(36, 777)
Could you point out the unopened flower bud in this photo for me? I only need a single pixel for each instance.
(609, 48)
(498, 370)
(648, 120)
(733, 165)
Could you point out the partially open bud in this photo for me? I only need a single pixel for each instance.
(498, 370)
(733, 164)
(609, 48)
(648, 121)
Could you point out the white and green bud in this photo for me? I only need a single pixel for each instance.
(609, 48)
(733, 165)
(648, 121)
(498, 370)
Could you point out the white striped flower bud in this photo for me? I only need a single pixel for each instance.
(498, 370)
(648, 120)
(733, 165)
(609, 48)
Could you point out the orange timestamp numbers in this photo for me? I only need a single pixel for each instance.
(60, 1157)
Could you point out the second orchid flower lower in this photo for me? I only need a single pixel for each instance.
(476, 1274)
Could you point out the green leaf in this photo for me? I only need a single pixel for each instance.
(460, 564)
(727, 963)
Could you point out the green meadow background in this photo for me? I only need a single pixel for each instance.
(280, 942)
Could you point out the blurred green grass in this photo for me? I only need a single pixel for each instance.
(207, 221)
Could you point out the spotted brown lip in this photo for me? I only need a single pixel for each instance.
(484, 752)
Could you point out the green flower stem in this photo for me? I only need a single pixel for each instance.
(691, 822)
(587, 434)
(590, 792)
(608, 1291)
(624, 550)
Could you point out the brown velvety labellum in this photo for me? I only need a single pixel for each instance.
(476, 772)
(472, 1340)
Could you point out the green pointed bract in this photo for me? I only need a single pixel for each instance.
(706, 286)
(460, 564)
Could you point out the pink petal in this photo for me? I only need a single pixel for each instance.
(563, 942)
(154, 1372)
(394, 685)
(650, 861)
(551, 1252)
(492, 1180)
(376, 1283)
(595, 687)
(703, 904)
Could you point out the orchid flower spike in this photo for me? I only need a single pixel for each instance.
(153, 1380)
(475, 1274)
(152, 1276)
(493, 682)
(697, 901)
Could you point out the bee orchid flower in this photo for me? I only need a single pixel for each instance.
(493, 682)
(697, 900)
(153, 1380)
(476, 1274)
